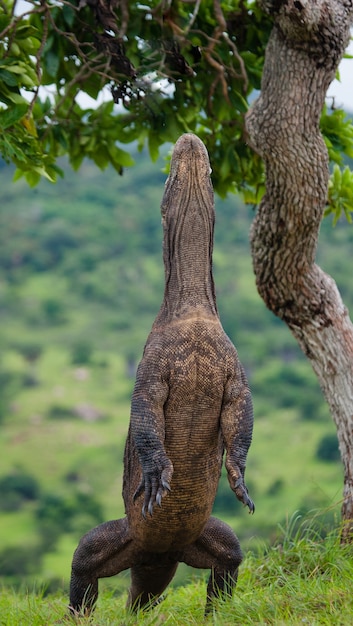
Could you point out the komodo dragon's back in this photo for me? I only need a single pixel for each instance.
(191, 402)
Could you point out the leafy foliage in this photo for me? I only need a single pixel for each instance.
(337, 128)
(169, 71)
(83, 78)
(340, 193)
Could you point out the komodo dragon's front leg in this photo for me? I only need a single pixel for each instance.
(237, 425)
(147, 425)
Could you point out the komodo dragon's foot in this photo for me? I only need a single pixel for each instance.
(155, 484)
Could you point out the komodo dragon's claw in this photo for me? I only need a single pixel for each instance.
(242, 494)
(162, 491)
(159, 499)
(250, 505)
(139, 490)
(154, 492)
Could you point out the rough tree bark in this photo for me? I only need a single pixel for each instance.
(305, 47)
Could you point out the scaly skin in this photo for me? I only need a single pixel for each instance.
(191, 402)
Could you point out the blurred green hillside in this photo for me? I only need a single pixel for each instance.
(81, 280)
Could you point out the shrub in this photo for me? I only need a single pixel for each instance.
(17, 488)
(19, 561)
(81, 353)
(276, 487)
(58, 514)
(58, 411)
(55, 510)
(54, 311)
(9, 383)
(30, 351)
(327, 449)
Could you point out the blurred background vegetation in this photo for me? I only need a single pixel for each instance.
(81, 280)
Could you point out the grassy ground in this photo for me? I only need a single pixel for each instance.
(302, 579)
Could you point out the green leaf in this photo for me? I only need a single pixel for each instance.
(51, 62)
(238, 101)
(17, 175)
(12, 115)
(32, 177)
(17, 68)
(100, 157)
(153, 145)
(16, 98)
(337, 129)
(23, 31)
(120, 157)
(340, 194)
(76, 160)
(92, 86)
(4, 20)
(69, 15)
(43, 171)
(8, 78)
(30, 45)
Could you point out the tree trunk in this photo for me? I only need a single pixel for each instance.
(303, 52)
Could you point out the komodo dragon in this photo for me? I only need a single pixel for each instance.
(190, 402)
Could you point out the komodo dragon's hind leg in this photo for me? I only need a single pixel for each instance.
(148, 580)
(216, 548)
(104, 551)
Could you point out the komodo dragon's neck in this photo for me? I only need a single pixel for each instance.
(188, 222)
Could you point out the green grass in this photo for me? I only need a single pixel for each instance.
(302, 579)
